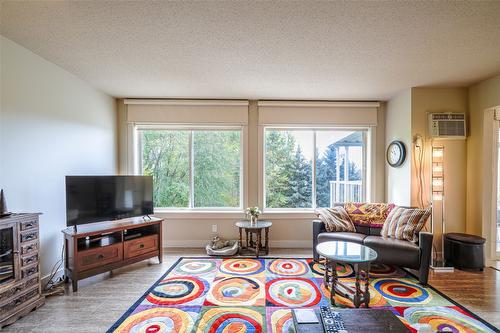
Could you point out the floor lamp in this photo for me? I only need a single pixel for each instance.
(437, 185)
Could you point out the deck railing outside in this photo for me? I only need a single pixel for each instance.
(346, 191)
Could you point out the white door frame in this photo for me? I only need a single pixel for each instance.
(491, 127)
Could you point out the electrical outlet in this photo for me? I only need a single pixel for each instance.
(214, 227)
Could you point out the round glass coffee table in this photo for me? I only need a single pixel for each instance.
(251, 229)
(357, 255)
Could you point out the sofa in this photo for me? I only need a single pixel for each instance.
(391, 251)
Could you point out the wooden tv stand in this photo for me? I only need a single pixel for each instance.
(96, 248)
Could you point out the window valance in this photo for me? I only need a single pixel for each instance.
(187, 111)
(318, 113)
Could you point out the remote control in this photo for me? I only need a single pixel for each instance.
(332, 321)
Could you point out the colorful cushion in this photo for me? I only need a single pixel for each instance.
(405, 223)
(335, 219)
(371, 215)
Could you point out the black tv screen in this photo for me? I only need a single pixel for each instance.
(103, 198)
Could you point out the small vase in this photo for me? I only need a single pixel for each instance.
(253, 221)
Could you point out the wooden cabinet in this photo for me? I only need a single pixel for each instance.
(99, 256)
(20, 288)
(101, 247)
(136, 247)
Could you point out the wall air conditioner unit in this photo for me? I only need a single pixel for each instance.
(447, 126)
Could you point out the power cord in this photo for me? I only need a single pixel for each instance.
(419, 163)
(418, 147)
(55, 286)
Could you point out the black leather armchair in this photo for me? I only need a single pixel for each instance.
(390, 251)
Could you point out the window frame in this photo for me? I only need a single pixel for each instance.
(135, 160)
(491, 152)
(367, 171)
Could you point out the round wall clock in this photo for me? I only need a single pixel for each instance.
(396, 153)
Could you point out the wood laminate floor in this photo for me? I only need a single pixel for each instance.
(101, 300)
(477, 291)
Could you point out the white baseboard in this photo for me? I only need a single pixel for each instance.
(491, 263)
(293, 244)
(184, 243)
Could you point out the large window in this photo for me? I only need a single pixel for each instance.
(193, 168)
(309, 168)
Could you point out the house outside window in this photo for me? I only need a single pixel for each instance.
(315, 167)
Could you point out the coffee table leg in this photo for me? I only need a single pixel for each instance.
(333, 267)
(325, 275)
(248, 244)
(357, 293)
(367, 286)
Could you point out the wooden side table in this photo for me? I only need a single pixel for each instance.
(249, 229)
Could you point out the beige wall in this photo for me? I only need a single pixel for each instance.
(407, 116)
(423, 102)
(482, 96)
(52, 124)
(289, 230)
(398, 127)
(122, 149)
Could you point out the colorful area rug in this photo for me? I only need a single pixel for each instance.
(256, 295)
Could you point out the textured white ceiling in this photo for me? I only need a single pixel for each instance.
(257, 50)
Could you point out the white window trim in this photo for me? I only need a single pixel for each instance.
(134, 167)
(490, 180)
(369, 173)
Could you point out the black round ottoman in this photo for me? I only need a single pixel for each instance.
(464, 251)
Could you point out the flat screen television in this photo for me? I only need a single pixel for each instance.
(102, 198)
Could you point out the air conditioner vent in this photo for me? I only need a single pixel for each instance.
(457, 116)
(447, 125)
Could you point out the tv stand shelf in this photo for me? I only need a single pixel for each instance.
(97, 241)
(101, 247)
